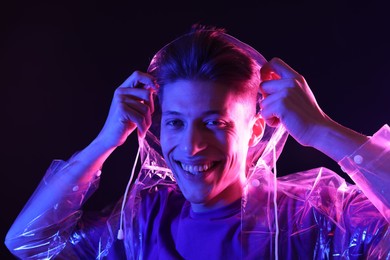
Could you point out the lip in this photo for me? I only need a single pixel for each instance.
(199, 175)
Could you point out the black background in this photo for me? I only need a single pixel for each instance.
(60, 63)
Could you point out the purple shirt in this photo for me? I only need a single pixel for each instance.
(173, 231)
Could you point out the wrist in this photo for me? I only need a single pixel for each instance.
(103, 144)
(92, 157)
(336, 140)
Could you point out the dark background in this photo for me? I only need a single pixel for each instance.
(60, 63)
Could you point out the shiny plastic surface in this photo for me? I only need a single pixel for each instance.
(320, 216)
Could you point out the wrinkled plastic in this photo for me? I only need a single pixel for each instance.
(319, 215)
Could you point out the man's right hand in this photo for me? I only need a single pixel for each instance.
(131, 107)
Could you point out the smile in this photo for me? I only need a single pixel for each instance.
(196, 169)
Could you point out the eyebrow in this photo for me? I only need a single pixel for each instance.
(206, 113)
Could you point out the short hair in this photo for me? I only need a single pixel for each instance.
(206, 54)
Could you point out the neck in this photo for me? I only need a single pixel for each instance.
(229, 195)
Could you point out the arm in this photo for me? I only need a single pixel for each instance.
(368, 166)
(62, 192)
(289, 100)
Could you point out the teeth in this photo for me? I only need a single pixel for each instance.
(196, 169)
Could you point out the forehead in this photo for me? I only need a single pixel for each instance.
(187, 94)
(199, 99)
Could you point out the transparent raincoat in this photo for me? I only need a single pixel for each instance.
(313, 214)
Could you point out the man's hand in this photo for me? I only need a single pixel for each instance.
(131, 107)
(289, 100)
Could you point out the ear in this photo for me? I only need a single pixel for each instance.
(257, 130)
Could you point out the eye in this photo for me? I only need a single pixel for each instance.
(174, 123)
(216, 123)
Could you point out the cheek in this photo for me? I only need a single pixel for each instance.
(228, 141)
(168, 141)
(237, 145)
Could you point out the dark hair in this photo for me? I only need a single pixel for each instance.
(206, 53)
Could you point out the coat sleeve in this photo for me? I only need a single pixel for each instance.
(369, 168)
(47, 234)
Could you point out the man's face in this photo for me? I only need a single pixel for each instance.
(205, 131)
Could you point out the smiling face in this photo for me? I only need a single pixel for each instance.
(205, 133)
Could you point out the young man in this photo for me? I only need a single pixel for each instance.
(212, 116)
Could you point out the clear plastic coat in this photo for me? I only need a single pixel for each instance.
(319, 215)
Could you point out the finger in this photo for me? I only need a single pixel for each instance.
(137, 93)
(272, 121)
(267, 73)
(274, 86)
(141, 108)
(138, 78)
(278, 67)
(143, 121)
(273, 108)
(270, 118)
(145, 97)
(151, 101)
(269, 112)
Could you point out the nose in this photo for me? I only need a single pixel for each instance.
(193, 140)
